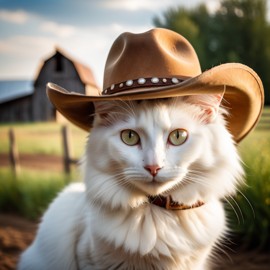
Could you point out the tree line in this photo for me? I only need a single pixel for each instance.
(237, 31)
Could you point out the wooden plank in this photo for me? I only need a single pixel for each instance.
(66, 149)
(13, 153)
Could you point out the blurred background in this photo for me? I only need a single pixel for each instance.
(67, 42)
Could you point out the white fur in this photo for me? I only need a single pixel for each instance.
(107, 223)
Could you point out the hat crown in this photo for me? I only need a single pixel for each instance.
(162, 64)
(155, 53)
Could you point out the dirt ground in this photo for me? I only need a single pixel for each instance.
(37, 162)
(16, 233)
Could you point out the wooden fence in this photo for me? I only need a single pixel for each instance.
(68, 161)
(13, 153)
(67, 147)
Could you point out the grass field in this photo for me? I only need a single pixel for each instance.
(32, 191)
(42, 138)
(252, 221)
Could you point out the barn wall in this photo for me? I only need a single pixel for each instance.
(19, 110)
(36, 107)
(63, 74)
(67, 77)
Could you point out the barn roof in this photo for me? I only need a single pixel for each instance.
(14, 89)
(84, 72)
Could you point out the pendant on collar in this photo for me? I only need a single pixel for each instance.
(169, 204)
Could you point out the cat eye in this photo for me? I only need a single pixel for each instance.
(130, 137)
(178, 137)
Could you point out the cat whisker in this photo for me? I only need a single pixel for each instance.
(218, 250)
(111, 183)
(175, 187)
(238, 207)
(197, 180)
(196, 172)
(234, 210)
(130, 105)
(196, 177)
(127, 106)
(249, 203)
(174, 102)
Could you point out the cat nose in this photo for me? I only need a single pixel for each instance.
(153, 169)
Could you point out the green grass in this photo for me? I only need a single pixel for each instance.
(42, 138)
(251, 224)
(31, 192)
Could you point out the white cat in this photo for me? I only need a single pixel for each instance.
(141, 157)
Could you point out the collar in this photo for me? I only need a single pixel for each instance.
(169, 204)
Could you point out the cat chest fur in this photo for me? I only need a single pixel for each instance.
(149, 237)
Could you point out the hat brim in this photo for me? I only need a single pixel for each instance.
(242, 87)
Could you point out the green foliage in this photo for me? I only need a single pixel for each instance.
(29, 194)
(251, 220)
(236, 32)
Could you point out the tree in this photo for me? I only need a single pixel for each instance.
(238, 31)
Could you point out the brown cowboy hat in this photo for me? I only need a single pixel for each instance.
(159, 64)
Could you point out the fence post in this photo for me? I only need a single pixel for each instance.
(13, 153)
(66, 148)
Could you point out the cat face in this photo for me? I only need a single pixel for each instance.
(163, 147)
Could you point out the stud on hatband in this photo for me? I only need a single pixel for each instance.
(141, 81)
(129, 83)
(152, 81)
(155, 80)
(175, 80)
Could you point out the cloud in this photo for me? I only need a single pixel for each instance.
(17, 16)
(91, 45)
(60, 30)
(21, 55)
(27, 46)
(135, 5)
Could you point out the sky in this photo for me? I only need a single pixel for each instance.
(30, 30)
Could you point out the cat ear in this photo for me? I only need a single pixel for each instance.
(209, 105)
